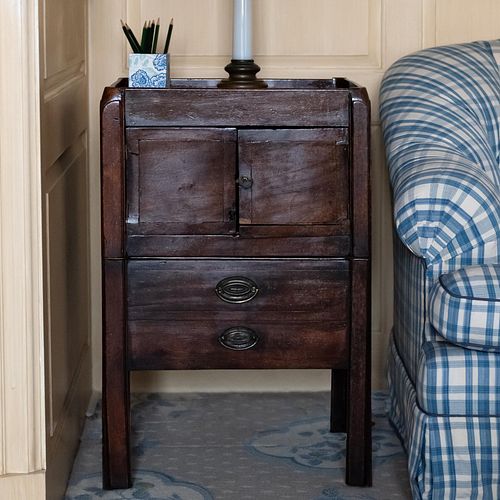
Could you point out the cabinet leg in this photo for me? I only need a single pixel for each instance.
(359, 445)
(116, 388)
(359, 432)
(338, 413)
(115, 439)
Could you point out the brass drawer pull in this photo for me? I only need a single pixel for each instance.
(239, 338)
(236, 289)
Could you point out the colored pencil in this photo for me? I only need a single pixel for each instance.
(169, 36)
(157, 32)
(136, 42)
(149, 39)
(130, 37)
(144, 37)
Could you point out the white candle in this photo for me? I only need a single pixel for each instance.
(242, 29)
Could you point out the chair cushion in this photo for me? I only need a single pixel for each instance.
(457, 381)
(464, 307)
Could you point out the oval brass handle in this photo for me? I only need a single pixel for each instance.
(236, 289)
(239, 338)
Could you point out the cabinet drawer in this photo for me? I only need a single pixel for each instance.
(236, 290)
(185, 345)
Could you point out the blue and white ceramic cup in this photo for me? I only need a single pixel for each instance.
(149, 71)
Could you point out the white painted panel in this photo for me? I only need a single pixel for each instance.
(304, 34)
(282, 27)
(402, 26)
(202, 27)
(22, 433)
(64, 38)
(317, 28)
(67, 287)
(464, 21)
(23, 487)
(64, 113)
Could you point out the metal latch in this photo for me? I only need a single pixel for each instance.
(245, 182)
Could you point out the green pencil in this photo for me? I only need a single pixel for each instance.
(143, 38)
(130, 37)
(151, 35)
(157, 32)
(146, 48)
(169, 36)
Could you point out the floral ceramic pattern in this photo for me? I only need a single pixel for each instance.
(147, 485)
(149, 70)
(160, 62)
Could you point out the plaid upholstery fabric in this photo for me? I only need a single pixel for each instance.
(465, 307)
(449, 457)
(440, 111)
(440, 115)
(457, 381)
(409, 305)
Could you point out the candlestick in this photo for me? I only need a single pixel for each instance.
(242, 69)
(242, 30)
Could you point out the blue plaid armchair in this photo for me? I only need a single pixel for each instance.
(440, 111)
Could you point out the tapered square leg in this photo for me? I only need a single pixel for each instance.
(116, 388)
(115, 441)
(338, 413)
(359, 435)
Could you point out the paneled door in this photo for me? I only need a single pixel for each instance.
(308, 192)
(181, 181)
(64, 130)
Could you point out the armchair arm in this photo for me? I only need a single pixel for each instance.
(445, 207)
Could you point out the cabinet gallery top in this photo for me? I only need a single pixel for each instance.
(198, 102)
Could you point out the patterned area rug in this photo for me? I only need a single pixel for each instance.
(240, 447)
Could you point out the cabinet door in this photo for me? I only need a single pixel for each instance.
(181, 181)
(293, 180)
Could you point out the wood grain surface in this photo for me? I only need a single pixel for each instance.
(267, 189)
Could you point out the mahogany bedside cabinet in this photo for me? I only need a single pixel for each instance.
(236, 235)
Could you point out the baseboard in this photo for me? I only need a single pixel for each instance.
(63, 446)
(23, 486)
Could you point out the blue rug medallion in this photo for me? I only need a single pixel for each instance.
(240, 447)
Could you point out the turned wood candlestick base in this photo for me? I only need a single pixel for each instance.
(242, 75)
